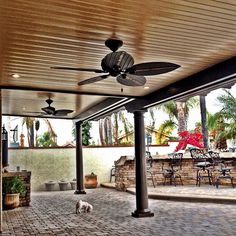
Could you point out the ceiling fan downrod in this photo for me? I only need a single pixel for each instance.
(113, 43)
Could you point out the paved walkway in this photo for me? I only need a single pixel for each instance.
(53, 213)
(205, 193)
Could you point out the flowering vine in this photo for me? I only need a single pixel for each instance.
(194, 138)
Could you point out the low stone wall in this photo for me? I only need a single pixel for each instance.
(125, 174)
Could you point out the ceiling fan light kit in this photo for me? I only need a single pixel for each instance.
(120, 64)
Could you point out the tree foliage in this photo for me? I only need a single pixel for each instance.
(164, 131)
(46, 140)
(179, 111)
(228, 116)
(86, 127)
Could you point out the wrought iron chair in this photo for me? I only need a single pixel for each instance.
(204, 164)
(149, 165)
(175, 165)
(221, 167)
(112, 173)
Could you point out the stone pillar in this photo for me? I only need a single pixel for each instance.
(0, 165)
(140, 167)
(204, 120)
(79, 160)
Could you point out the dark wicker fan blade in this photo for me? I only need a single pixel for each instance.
(49, 110)
(152, 68)
(92, 80)
(131, 80)
(62, 112)
(78, 69)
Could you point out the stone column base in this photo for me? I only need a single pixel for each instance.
(141, 214)
(79, 192)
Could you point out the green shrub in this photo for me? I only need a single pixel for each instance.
(13, 185)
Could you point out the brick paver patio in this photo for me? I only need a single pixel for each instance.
(53, 213)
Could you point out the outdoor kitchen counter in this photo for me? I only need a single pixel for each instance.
(125, 170)
(121, 161)
(25, 176)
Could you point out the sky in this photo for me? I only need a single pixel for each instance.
(63, 128)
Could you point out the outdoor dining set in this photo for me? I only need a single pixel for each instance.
(208, 165)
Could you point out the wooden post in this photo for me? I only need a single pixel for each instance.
(140, 167)
(79, 160)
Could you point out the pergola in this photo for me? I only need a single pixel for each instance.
(200, 36)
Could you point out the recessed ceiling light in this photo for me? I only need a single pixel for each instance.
(16, 76)
(146, 87)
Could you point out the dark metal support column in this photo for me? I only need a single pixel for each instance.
(140, 167)
(204, 120)
(79, 160)
(1, 164)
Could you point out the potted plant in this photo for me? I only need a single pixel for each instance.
(12, 189)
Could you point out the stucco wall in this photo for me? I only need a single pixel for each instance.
(59, 163)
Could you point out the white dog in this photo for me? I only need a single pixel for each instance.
(81, 205)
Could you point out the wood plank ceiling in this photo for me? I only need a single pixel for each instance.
(36, 35)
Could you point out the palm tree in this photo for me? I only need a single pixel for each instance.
(180, 111)
(204, 120)
(216, 125)
(228, 111)
(120, 117)
(164, 131)
(51, 131)
(33, 124)
(29, 121)
(105, 130)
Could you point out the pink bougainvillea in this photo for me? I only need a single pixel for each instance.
(194, 138)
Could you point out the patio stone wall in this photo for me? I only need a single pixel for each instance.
(125, 174)
(56, 164)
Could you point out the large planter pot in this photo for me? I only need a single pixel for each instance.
(73, 184)
(63, 185)
(50, 185)
(91, 181)
(11, 201)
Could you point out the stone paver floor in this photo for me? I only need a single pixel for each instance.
(192, 190)
(53, 213)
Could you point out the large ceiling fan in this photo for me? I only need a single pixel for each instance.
(121, 65)
(49, 110)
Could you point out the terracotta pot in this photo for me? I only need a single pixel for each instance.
(91, 181)
(11, 201)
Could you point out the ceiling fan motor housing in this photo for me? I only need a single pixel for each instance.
(49, 110)
(117, 62)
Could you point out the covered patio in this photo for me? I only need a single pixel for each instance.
(194, 41)
(53, 213)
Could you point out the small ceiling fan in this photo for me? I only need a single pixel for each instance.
(121, 65)
(49, 110)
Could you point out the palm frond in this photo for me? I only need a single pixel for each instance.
(164, 131)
